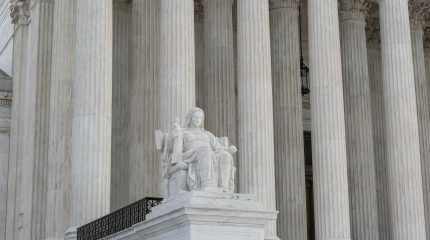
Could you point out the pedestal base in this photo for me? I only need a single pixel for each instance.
(203, 216)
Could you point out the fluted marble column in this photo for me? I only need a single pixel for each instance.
(145, 171)
(405, 193)
(5, 114)
(91, 140)
(199, 51)
(422, 98)
(377, 103)
(427, 61)
(358, 120)
(20, 18)
(219, 68)
(177, 63)
(60, 124)
(121, 68)
(332, 219)
(256, 164)
(288, 120)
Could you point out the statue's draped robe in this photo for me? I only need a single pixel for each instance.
(207, 161)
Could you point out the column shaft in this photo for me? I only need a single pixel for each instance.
(256, 165)
(423, 111)
(199, 51)
(60, 116)
(34, 129)
(145, 169)
(404, 179)
(219, 68)
(19, 73)
(358, 123)
(91, 153)
(288, 123)
(375, 79)
(121, 68)
(177, 63)
(5, 114)
(332, 219)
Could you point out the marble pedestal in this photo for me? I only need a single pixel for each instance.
(203, 216)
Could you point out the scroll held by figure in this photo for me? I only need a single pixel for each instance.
(194, 159)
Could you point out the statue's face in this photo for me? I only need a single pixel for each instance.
(197, 119)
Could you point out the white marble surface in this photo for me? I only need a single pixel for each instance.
(91, 138)
(121, 78)
(417, 17)
(202, 215)
(219, 68)
(60, 124)
(256, 160)
(358, 121)
(288, 120)
(375, 79)
(145, 164)
(329, 162)
(405, 192)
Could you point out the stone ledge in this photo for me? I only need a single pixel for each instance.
(198, 215)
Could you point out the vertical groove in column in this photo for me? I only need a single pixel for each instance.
(404, 178)
(40, 66)
(199, 51)
(358, 122)
(375, 79)
(145, 171)
(255, 107)
(219, 68)
(332, 219)
(288, 120)
(60, 120)
(423, 111)
(427, 62)
(177, 63)
(120, 104)
(91, 154)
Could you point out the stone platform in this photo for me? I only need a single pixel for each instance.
(203, 216)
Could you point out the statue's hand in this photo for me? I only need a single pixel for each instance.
(232, 149)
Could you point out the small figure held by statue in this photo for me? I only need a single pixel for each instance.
(194, 159)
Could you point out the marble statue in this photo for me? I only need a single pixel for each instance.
(194, 159)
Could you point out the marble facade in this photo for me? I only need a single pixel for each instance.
(92, 81)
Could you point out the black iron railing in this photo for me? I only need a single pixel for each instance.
(118, 220)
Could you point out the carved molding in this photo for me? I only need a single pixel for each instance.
(19, 11)
(277, 4)
(373, 33)
(354, 9)
(418, 12)
(198, 10)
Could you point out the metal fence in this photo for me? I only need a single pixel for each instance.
(118, 220)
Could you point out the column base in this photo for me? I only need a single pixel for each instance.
(203, 215)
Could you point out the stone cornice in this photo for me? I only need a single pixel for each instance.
(354, 9)
(277, 4)
(418, 12)
(198, 10)
(19, 11)
(373, 33)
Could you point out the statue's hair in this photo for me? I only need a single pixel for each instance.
(189, 117)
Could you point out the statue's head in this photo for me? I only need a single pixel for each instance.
(195, 118)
